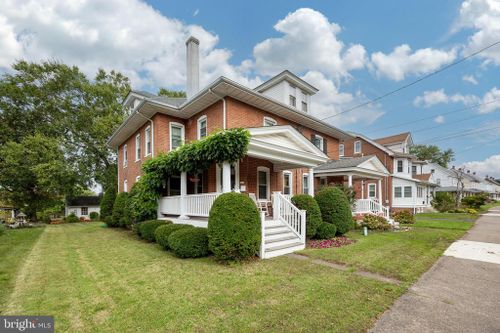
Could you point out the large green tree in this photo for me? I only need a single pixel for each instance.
(58, 102)
(433, 153)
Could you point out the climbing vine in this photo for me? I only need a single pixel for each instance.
(228, 145)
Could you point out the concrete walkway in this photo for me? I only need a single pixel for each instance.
(460, 293)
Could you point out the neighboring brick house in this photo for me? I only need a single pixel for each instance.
(400, 189)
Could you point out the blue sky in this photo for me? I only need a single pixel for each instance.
(353, 51)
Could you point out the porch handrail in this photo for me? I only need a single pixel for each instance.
(371, 206)
(200, 204)
(287, 212)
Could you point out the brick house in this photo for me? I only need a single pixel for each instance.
(286, 144)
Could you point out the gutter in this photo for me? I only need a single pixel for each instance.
(224, 110)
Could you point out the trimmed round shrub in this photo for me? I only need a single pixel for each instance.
(121, 211)
(189, 242)
(163, 231)
(146, 229)
(335, 208)
(374, 222)
(107, 202)
(404, 217)
(234, 227)
(94, 216)
(72, 218)
(326, 231)
(313, 215)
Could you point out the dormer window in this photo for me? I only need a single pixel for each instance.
(318, 141)
(304, 106)
(357, 147)
(293, 101)
(400, 166)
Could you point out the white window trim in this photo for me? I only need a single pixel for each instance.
(183, 138)
(341, 151)
(146, 138)
(137, 147)
(355, 145)
(375, 190)
(404, 191)
(402, 166)
(125, 156)
(269, 119)
(402, 194)
(322, 145)
(268, 180)
(137, 178)
(304, 175)
(204, 117)
(125, 186)
(287, 172)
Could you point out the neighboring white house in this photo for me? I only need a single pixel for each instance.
(82, 206)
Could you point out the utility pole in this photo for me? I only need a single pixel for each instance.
(459, 175)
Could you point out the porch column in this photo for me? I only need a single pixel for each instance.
(349, 180)
(380, 191)
(310, 179)
(226, 177)
(183, 215)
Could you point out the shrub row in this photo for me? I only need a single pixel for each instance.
(374, 222)
(404, 217)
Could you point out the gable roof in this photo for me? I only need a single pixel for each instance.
(397, 138)
(369, 164)
(290, 77)
(211, 94)
(84, 201)
(424, 176)
(374, 143)
(343, 163)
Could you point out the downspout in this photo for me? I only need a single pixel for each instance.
(152, 132)
(224, 114)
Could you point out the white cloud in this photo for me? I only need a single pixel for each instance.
(402, 62)
(490, 166)
(126, 35)
(329, 101)
(492, 100)
(470, 79)
(439, 119)
(309, 42)
(431, 98)
(482, 16)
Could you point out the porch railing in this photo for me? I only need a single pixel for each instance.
(365, 206)
(194, 204)
(285, 211)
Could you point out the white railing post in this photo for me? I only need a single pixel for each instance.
(303, 224)
(276, 205)
(183, 203)
(262, 235)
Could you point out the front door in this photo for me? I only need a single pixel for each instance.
(263, 192)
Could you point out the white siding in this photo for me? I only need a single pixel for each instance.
(78, 210)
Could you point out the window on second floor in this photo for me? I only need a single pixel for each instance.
(341, 150)
(400, 166)
(268, 121)
(202, 127)
(304, 106)
(357, 147)
(292, 101)
(125, 156)
(318, 141)
(137, 147)
(176, 135)
(147, 141)
(414, 169)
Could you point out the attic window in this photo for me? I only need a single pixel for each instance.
(341, 150)
(318, 142)
(292, 101)
(268, 121)
(304, 106)
(357, 147)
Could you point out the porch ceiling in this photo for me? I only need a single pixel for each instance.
(285, 147)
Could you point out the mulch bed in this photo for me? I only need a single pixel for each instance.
(329, 243)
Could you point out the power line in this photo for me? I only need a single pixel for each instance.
(436, 115)
(461, 133)
(446, 124)
(414, 82)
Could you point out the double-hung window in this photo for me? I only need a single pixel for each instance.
(85, 211)
(341, 150)
(176, 135)
(125, 156)
(292, 101)
(408, 192)
(287, 182)
(357, 147)
(400, 166)
(398, 192)
(202, 127)
(305, 183)
(137, 147)
(372, 190)
(147, 141)
(318, 141)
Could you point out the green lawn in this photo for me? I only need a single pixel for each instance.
(95, 279)
(15, 246)
(446, 216)
(443, 224)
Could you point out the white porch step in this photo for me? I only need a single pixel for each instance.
(286, 241)
(270, 237)
(276, 230)
(280, 240)
(282, 250)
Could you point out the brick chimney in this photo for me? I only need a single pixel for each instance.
(193, 66)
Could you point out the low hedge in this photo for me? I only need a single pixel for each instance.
(326, 231)
(313, 214)
(164, 231)
(146, 230)
(72, 218)
(189, 242)
(374, 222)
(404, 217)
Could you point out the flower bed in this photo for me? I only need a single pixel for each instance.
(328, 243)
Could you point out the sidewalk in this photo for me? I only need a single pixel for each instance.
(456, 294)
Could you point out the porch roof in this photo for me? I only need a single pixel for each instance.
(285, 147)
(364, 166)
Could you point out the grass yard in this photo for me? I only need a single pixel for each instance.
(95, 279)
(15, 247)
